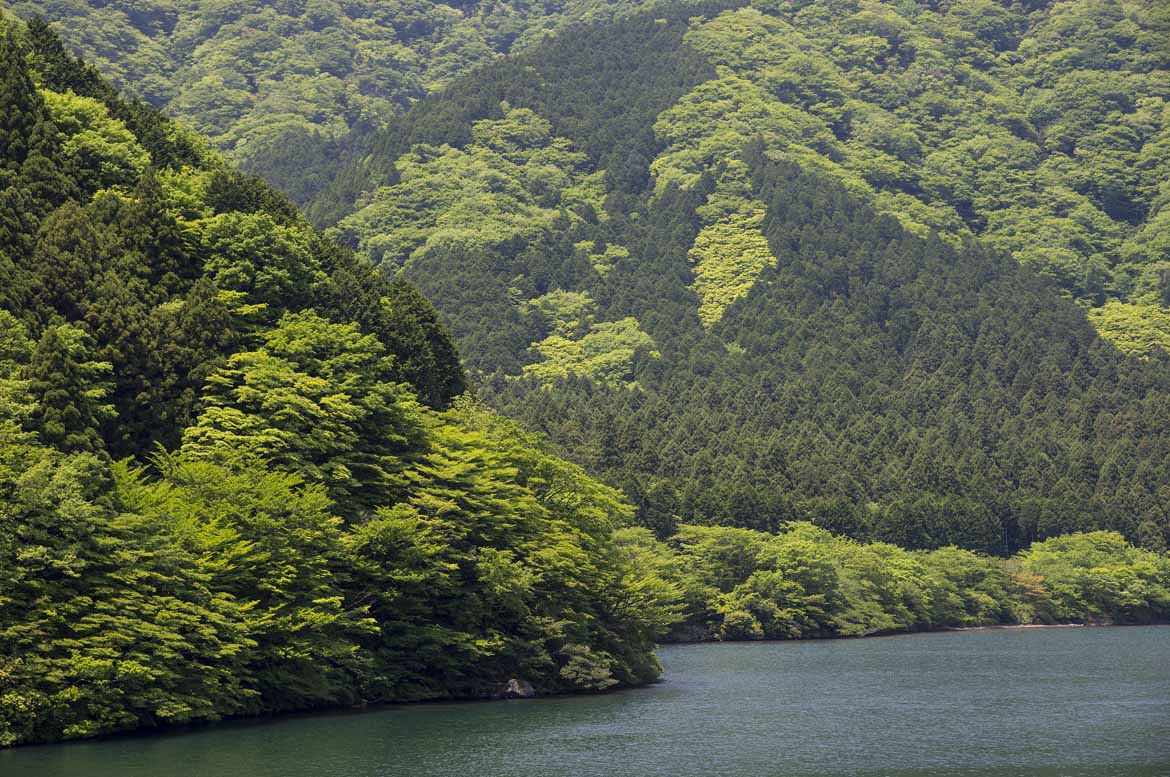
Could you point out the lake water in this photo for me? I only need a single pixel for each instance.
(1083, 701)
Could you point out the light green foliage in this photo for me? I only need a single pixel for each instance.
(606, 353)
(511, 182)
(105, 152)
(965, 590)
(273, 542)
(650, 570)
(1097, 577)
(973, 119)
(728, 257)
(501, 556)
(805, 582)
(567, 314)
(272, 263)
(1135, 328)
(730, 251)
(263, 80)
(1145, 265)
(318, 400)
(716, 119)
(107, 625)
(606, 258)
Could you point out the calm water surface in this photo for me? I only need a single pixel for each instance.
(1021, 702)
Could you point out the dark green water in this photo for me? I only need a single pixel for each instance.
(1020, 702)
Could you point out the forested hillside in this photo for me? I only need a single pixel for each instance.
(814, 285)
(837, 261)
(236, 476)
(814, 261)
(280, 87)
(1039, 126)
(1041, 129)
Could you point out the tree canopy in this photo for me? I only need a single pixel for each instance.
(239, 473)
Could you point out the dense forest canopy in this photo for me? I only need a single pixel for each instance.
(757, 263)
(276, 85)
(1040, 127)
(237, 474)
(838, 269)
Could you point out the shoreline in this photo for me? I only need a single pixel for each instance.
(1006, 626)
(231, 721)
(918, 632)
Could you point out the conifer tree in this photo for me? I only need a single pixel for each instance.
(30, 181)
(155, 249)
(21, 109)
(70, 389)
(64, 264)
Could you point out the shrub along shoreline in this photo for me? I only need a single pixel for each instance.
(806, 583)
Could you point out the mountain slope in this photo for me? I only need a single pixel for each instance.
(883, 385)
(898, 381)
(222, 491)
(1045, 134)
(1040, 127)
(587, 219)
(280, 87)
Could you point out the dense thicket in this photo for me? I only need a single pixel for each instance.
(236, 476)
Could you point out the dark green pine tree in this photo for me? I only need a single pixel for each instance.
(402, 320)
(122, 326)
(64, 264)
(31, 183)
(154, 247)
(20, 107)
(425, 355)
(190, 340)
(59, 70)
(70, 389)
(19, 112)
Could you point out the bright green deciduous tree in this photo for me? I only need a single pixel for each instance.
(317, 399)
